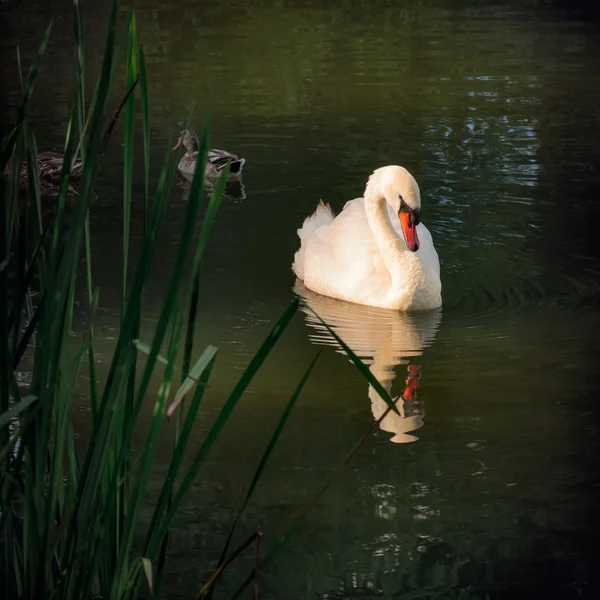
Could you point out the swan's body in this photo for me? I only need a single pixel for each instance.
(362, 255)
(216, 160)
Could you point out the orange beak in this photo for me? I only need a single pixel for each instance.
(409, 231)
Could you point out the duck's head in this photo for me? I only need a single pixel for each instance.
(189, 139)
(401, 191)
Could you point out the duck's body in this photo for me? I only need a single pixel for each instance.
(216, 161)
(375, 252)
(49, 169)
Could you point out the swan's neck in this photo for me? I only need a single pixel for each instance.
(389, 243)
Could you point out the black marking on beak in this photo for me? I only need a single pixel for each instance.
(415, 217)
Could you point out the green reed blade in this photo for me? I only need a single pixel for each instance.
(145, 348)
(129, 146)
(56, 303)
(225, 413)
(16, 409)
(142, 270)
(20, 68)
(34, 193)
(81, 152)
(28, 334)
(10, 138)
(79, 66)
(27, 278)
(56, 465)
(129, 142)
(307, 508)
(190, 380)
(68, 263)
(192, 293)
(365, 371)
(19, 276)
(13, 191)
(183, 252)
(170, 307)
(203, 368)
(117, 371)
(152, 538)
(87, 535)
(122, 44)
(145, 130)
(267, 454)
(5, 263)
(143, 472)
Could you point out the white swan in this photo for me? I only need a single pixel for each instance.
(376, 251)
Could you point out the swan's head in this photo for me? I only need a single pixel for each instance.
(401, 191)
(189, 139)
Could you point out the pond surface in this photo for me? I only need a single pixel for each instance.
(490, 482)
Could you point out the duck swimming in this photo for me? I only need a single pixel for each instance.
(49, 171)
(216, 161)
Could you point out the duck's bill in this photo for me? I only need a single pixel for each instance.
(410, 231)
(177, 144)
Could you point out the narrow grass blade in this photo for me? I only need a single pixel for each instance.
(79, 61)
(365, 371)
(127, 330)
(28, 276)
(183, 252)
(304, 511)
(27, 334)
(129, 142)
(192, 379)
(12, 197)
(114, 120)
(145, 130)
(81, 151)
(223, 416)
(11, 136)
(19, 67)
(214, 578)
(148, 572)
(267, 454)
(152, 538)
(145, 348)
(141, 477)
(193, 292)
(5, 263)
(16, 409)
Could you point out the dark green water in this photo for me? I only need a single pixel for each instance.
(494, 108)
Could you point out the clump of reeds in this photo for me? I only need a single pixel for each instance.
(67, 516)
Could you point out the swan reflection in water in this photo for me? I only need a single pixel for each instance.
(382, 339)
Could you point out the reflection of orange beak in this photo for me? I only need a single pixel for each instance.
(409, 231)
(412, 382)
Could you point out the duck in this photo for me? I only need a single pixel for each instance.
(376, 251)
(216, 161)
(49, 171)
